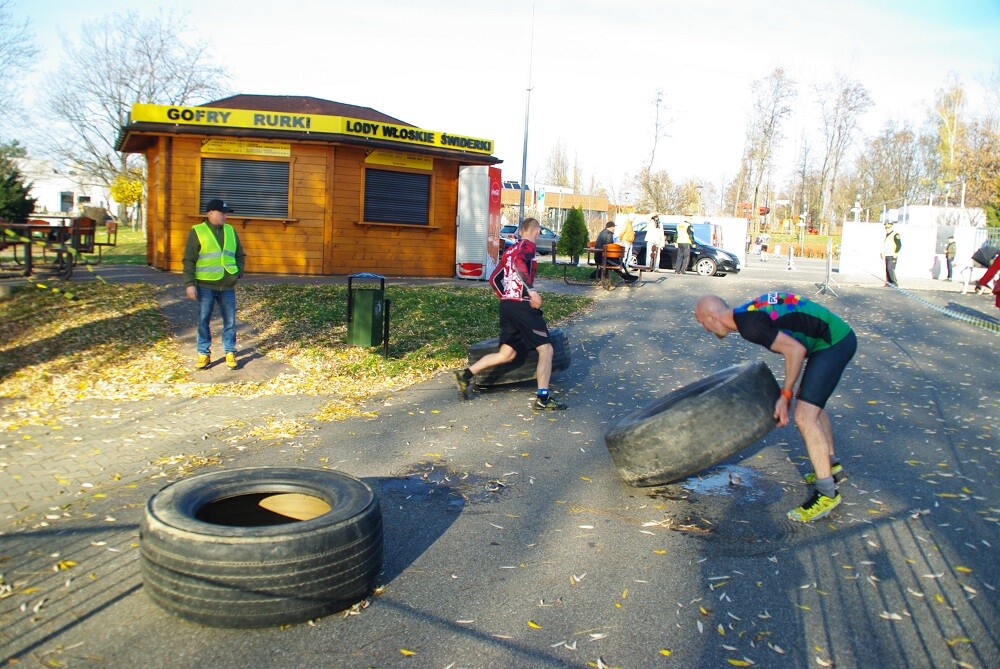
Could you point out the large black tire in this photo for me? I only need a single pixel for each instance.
(212, 553)
(696, 426)
(521, 368)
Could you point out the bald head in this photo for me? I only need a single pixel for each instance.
(715, 315)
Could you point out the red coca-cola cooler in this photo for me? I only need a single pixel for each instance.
(477, 239)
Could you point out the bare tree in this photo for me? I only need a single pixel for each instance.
(660, 123)
(842, 104)
(557, 169)
(889, 171)
(121, 60)
(772, 98)
(17, 53)
(947, 115)
(577, 174)
(656, 190)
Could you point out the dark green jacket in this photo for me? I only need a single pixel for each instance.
(193, 247)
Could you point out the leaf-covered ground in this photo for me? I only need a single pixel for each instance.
(112, 342)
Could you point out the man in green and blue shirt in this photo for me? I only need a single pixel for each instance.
(807, 335)
(213, 263)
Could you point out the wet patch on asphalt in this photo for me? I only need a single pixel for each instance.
(729, 506)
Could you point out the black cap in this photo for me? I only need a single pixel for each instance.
(217, 205)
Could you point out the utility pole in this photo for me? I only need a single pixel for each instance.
(527, 107)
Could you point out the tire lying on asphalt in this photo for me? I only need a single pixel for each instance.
(521, 368)
(262, 546)
(696, 426)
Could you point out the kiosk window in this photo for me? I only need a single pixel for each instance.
(250, 187)
(397, 197)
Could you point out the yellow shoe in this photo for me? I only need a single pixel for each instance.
(231, 360)
(203, 360)
(816, 507)
(839, 475)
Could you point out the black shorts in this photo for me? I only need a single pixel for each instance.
(824, 369)
(522, 326)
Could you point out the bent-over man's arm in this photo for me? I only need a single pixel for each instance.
(795, 355)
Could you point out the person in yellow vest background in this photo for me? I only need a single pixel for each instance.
(684, 239)
(213, 262)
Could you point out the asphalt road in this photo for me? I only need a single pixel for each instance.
(563, 565)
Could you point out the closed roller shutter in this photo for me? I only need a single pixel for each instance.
(250, 187)
(397, 197)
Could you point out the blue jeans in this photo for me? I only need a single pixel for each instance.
(227, 306)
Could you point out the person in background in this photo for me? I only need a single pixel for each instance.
(522, 326)
(891, 245)
(605, 237)
(984, 280)
(626, 237)
(684, 238)
(654, 242)
(213, 263)
(808, 336)
(949, 255)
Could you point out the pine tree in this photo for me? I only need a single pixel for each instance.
(574, 236)
(15, 201)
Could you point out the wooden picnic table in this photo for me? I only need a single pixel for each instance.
(65, 239)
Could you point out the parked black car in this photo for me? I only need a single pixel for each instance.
(546, 238)
(705, 260)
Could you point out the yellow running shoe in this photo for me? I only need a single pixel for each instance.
(231, 360)
(839, 476)
(203, 360)
(814, 508)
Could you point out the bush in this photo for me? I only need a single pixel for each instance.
(574, 236)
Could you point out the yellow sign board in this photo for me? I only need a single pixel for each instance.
(246, 147)
(307, 124)
(398, 159)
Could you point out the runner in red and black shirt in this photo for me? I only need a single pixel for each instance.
(522, 326)
(811, 337)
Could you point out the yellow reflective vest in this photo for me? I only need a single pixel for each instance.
(214, 262)
(683, 232)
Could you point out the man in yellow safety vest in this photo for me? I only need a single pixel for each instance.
(213, 262)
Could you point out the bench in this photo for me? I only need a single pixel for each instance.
(606, 270)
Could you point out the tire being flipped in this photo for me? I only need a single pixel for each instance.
(696, 426)
(521, 368)
(262, 546)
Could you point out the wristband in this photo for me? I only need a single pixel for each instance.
(787, 394)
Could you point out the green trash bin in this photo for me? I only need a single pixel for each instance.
(365, 310)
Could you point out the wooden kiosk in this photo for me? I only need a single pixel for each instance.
(317, 187)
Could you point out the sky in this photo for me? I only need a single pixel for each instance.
(593, 66)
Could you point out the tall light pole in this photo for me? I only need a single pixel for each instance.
(527, 108)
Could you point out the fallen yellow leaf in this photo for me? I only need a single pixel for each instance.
(406, 652)
(666, 652)
(533, 625)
